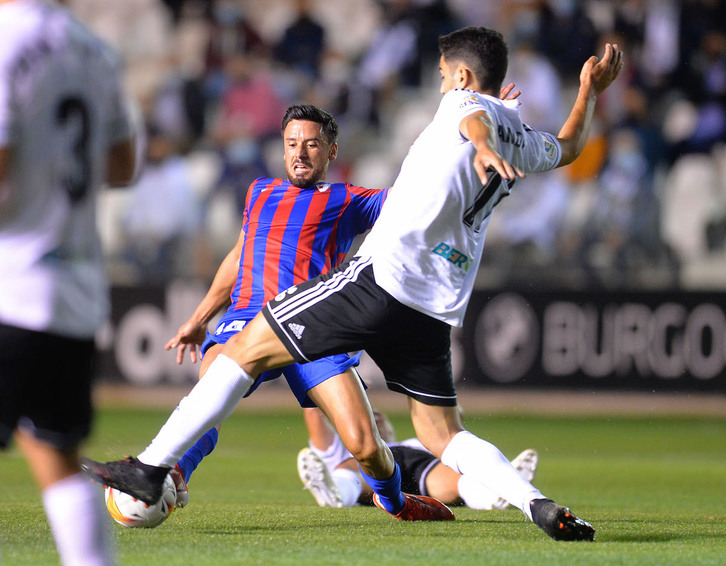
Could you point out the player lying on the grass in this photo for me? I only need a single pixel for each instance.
(410, 281)
(329, 472)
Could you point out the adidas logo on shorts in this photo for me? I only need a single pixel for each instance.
(296, 329)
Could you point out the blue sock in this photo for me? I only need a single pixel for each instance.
(389, 491)
(203, 447)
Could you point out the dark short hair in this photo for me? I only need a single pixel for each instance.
(315, 114)
(481, 49)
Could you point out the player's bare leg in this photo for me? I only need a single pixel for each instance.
(326, 468)
(442, 483)
(48, 464)
(435, 426)
(343, 400)
(320, 433)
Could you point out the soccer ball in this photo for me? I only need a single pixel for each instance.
(128, 511)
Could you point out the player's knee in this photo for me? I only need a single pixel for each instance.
(247, 353)
(256, 348)
(366, 449)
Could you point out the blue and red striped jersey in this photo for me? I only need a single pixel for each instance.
(294, 234)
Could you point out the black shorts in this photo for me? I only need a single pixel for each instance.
(45, 386)
(346, 311)
(415, 466)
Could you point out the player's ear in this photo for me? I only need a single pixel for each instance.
(465, 78)
(333, 152)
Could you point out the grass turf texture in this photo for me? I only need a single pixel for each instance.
(652, 487)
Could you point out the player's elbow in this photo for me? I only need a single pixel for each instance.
(570, 150)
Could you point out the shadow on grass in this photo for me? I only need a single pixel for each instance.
(660, 530)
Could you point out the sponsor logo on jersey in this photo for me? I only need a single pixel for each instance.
(469, 101)
(296, 329)
(550, 148)
(233, 326)
(451, 254)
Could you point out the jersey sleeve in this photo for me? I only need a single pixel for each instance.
(366, 203)
(542, 151)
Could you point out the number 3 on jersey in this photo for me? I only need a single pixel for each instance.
(486, 199)
(73, 118)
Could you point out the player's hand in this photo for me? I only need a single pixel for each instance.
(478, 128)
(190, 335)
(486, 160)
(508, 92)
(598, 74)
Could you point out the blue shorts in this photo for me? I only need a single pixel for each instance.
(300, 377)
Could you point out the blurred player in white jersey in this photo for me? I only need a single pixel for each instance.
(64, 132)
(410, 282)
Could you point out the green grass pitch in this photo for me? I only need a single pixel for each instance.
(653, 487)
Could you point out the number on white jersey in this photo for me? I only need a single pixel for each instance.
(486, 199)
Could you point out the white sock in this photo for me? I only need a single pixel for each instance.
(470, 455)
(349, 484)
(212, 400)
(78, 522)
(333, 455)
(475, 494)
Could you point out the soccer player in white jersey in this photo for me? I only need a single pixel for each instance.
(398, 298)
(64, 132)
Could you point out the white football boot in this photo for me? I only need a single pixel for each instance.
(317, 479)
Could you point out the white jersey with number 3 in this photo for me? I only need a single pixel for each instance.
(60, 111)
(427, 242)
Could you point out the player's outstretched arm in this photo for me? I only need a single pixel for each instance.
(595, 77)
(193, 332)
(479, 130)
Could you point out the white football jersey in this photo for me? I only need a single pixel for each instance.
(61, 108)
(427, 242)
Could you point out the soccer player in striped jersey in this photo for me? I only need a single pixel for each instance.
(65, 130)
(292, 230)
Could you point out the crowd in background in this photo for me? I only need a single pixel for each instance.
(644, 206)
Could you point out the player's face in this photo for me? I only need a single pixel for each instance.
(448, 76)
(307, 153)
